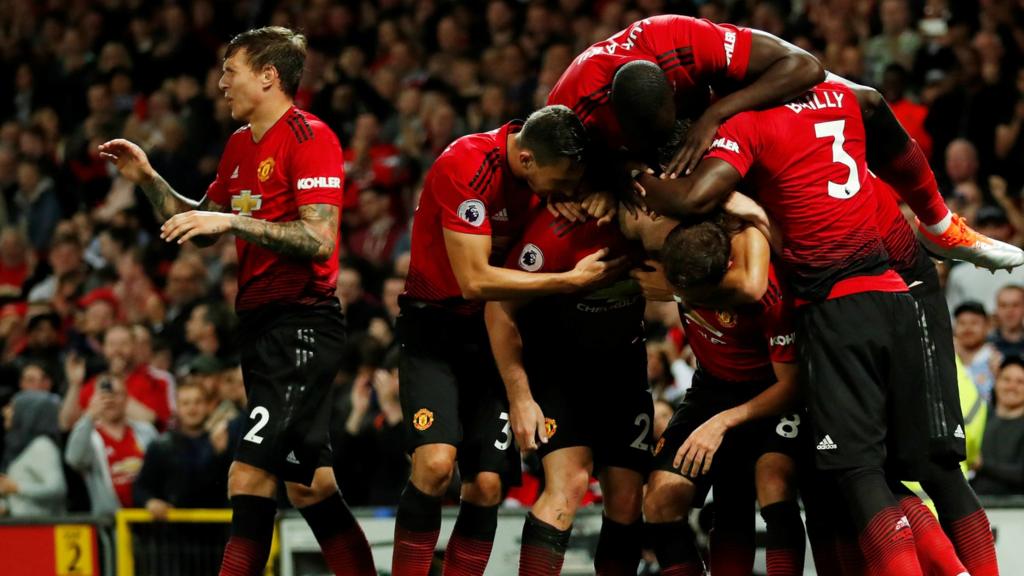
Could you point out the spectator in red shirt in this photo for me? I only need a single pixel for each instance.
(910, 114)
(374, 241)
(147, 394)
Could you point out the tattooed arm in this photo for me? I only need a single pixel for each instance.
(312, 236)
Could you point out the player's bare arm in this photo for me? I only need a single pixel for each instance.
(525, 415)
(699, 193)
(778, 71)
(313, 236)
(695, 455)
(479, 280)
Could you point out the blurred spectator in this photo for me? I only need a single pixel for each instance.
(209, 330)
(663, 411)
(911, 114)
(359, 309)
(35, 378)
(970, 324)
(1008, 331)
(32, 482)
(1000, 469)
(65, 262)
(1009, 145)
(35, 208)
(16, 262)
(42, 346)
(897, 43)
(147, 396)
(186, 285)
(962, 171)
(107, 448)
(375, 238)
(185, 467)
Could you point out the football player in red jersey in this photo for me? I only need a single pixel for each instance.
(474, 203)
(733, 428)
(748, 69)
(278, 190)
(858, 335)
(582, 417)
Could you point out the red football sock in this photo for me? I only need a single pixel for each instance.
(912, 178)
(543, 548)
(341, 539)
(469, 547)
(252, 528)
(673, 545)
(417, 524)
(888, 544)
(786, 540)
(934, 550)
(974, 544)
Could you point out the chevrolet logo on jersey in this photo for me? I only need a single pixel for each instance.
(245, 203)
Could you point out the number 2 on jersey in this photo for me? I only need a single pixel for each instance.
(834, 130)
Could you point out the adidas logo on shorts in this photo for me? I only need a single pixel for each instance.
(827, 443)
(291, 458)
(959, 432)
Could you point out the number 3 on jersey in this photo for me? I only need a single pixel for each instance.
(834, 130)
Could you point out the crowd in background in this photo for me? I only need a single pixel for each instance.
(118, 352)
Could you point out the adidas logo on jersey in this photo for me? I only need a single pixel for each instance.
(235, 173)
(827, 443)
(959, 432)
(291, 459)
(902, 523)
(501, 216)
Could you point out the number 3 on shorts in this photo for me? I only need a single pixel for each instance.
(789, 426)
(506, 430)
(261, 415)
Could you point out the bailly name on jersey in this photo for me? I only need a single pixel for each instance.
(813, 101)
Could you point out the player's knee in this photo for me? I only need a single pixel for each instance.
(666, 499)
(572, 486)
(623, 506)
(775, 479)
(484, 490)
(434, 469)
(244, 479)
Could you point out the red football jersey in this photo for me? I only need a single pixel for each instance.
(695, 54)
(124, 462)
(740, 345)
(297, 162)
(805, 162)
(471, 190)
(897, 236)
(602, 318)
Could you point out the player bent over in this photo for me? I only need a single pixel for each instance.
(474, 203)
(738, 417)
(575, 370)
(278, 191)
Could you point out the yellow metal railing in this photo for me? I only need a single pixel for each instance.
(128, 516)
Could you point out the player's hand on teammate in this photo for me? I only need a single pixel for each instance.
(571, 210)
(593, 269)
(129, 158)
(695, 455)
(187, 225)
(697, 142)
(653, 282)
(601, 206)
(527, 420)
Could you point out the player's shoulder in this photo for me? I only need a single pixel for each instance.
(470, 155)
(307, 127)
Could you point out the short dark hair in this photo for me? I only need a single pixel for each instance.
(970, 307)
(1011, 360)
(640, 95)
(696, 255)
(275, 46)
(554, 132)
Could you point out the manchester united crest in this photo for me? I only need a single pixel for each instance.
(265, 169)
(423, 419)
(550, 426)
(726, 318)
(659, 445)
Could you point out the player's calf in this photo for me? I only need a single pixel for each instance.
(469, 547)
(666, 505)
(776, 493)
(342, 541)
(548, 525)
(418, 519)
(619, 545)
(252, 521)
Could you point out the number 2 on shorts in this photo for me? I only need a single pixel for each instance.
(262, 416)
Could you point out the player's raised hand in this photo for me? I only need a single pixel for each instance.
(594, 269)
(695, 455)
(653, 282)
(131, 161)
(528, 424)
(697, 142)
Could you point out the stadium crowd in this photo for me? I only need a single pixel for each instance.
(118, 351)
